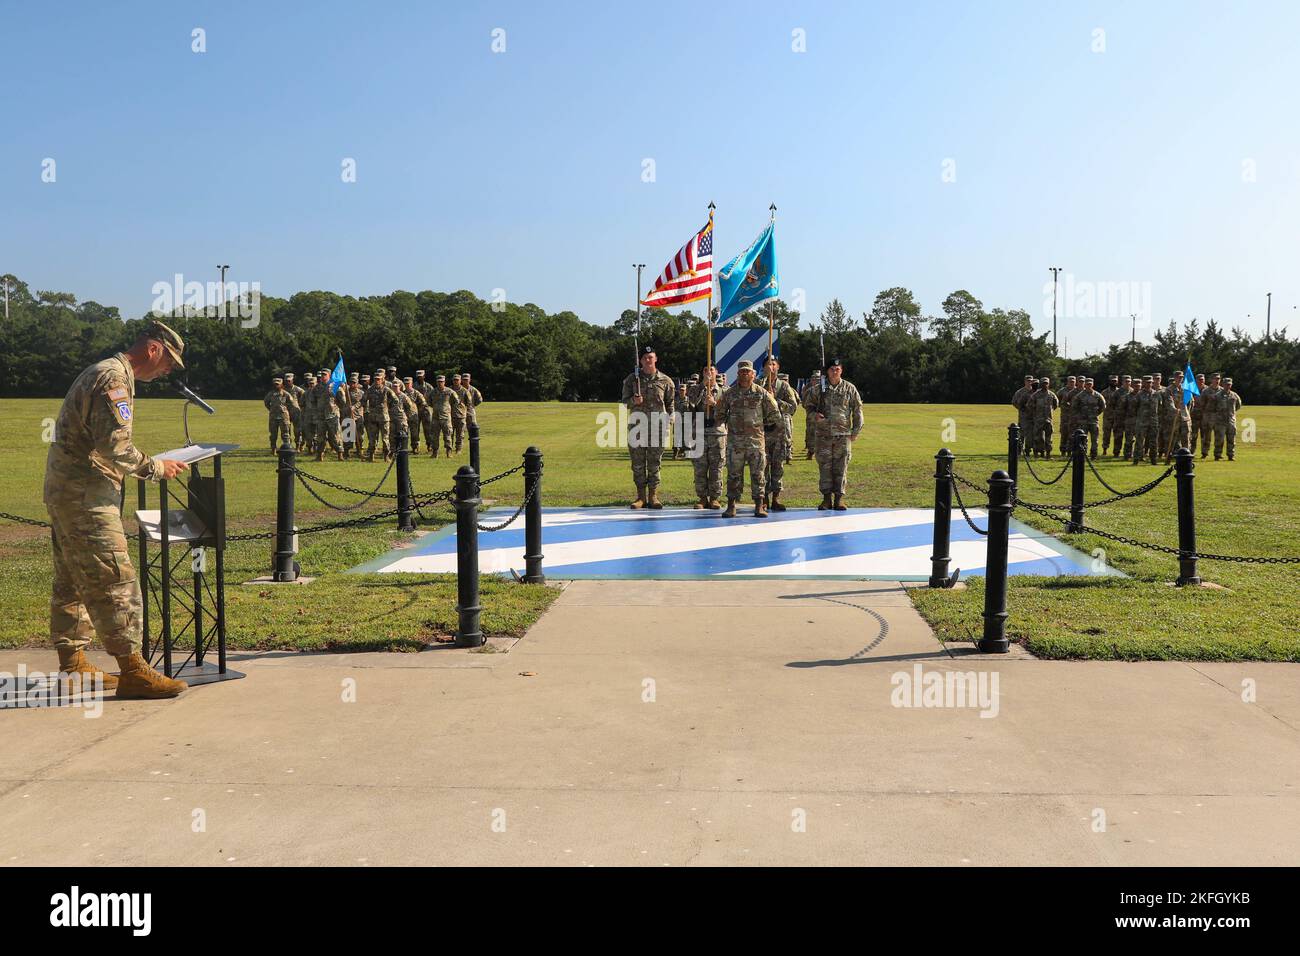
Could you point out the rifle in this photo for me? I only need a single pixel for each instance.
(821, 387)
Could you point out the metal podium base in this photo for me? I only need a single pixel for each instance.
(195, 674)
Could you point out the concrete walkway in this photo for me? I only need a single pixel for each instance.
(667, 723)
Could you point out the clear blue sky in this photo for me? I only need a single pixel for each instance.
(522, 170)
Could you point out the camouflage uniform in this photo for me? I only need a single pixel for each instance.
(472, 398)
(1130, 418)
(95, 586)
(1086, 407)
(299, 393)
(459, 414)
(444, 403)
(1200, 427)
(1024, 416)
(280, 406)
(1111, 420)
(310, 417)
(711, 440)
(747, 413)
(789, 421)
(841, 408)
(776, 439)
(376, 408)
(1180, 429)
(415, 412)
(1148, 426)
(1041, 406)
(348, 401)
(809, 423)
(326, 414)
(646, 425)
(1225, 405)
(427, 389)
(1064, 397)
(400, 407)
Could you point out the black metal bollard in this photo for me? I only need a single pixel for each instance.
(1184, 474)
(1075, 525)
(940, 557)
(283, 567)
(468, 632)
(405, 521)
(1013, 452)
(995, 640)
(473, 447)
(533, 517)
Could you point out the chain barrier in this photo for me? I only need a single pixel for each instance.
(1177, 552)
(348, 523)
(1136, 492)
(1128, 494)
(960, 504)
(34, 522)
(518, 511)
(376, 493)
(1030, 465)
(504, 474)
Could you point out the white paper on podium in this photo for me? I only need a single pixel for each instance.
(182, 525)
(192, 454)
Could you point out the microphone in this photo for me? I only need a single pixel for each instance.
(193, 399)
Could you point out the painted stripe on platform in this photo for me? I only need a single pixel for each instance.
(862, 543)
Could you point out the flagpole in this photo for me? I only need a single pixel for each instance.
(708, 314)
(771, 306)
(636, 334)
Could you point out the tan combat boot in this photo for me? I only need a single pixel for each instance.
(760, 508)
(640, 498)
(73, 660)
(826, 502)
(839, 503)
(139, 681)
(701, 504)
(320, 455)
(654, 501)
(731, 508)
(776, 502)
(714, 504)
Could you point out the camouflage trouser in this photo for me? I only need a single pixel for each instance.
(1026, 433)
(352, 431)
(279, 432)
(296, 420)
(441, 428)
(1043, 437)
(1225, 431)
(1148, 437)
(1091, 432)
(1067, 429)
(95, 587)
(1207, 430)
(708, 467)
(413, 429)
(376, 432)
(1178, 438)
(327, 431)
(1112, 429)
(1194, 433)
(833, 455)
(645, 465)
(740, 454)
(426, 422)
(809, 433)
(1130, 436)
(776, 446)
(458, 429)
(397, 432)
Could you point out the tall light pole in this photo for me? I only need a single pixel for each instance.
(1268, 318)
(1055, 271)
(6, 298)
(1133, 338)
(222, 293)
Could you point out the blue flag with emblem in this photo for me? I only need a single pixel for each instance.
(1190, 387)
(338, 376)
(750, 278)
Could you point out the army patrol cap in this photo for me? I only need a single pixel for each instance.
(288, 375)
(408, 380)
(168, 339)
(1089, 381)
(1227, 381)
(1148, 378)
(440, 378)
(352, 376)
(379, 371)
(648, 350)
(277, 381)
(420, 372)
(393, 369)
(744, 364)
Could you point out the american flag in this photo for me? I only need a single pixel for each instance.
(688, 275)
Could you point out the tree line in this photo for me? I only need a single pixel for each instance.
(893, 352)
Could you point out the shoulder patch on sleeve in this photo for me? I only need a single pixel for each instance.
(118, 394)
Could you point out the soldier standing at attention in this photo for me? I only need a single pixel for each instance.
(415, 411)
(1180, 426)
(1130, 413)
(459, 413)
(1063, 398)
(475, 398)
(426, 389)
(1088, 404)
(1020, 402)
(310, 415)
(809, 423)
(444, 404)
(1042, 404)
(1111, 419)
(1198, 405)
(376, 406)
(649, 395)
(789, 420)
(775, 439)
(298, 394)
(700, 402)
(95, 587)
(398, 416)
(1148, 421)
(747, 411)
(351, 409)
(838, 407)
(1169, 411)
(280, 405)
(327, 417)
(677, 417)
(1225, 421)
(1158, 387)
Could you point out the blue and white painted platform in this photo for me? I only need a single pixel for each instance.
(891, 544)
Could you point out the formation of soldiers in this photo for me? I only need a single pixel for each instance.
(747, 425)
(1136, 417)
(376, 412)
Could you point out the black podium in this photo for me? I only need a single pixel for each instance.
(182, 566)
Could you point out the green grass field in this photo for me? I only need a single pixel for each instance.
(1249, 506)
